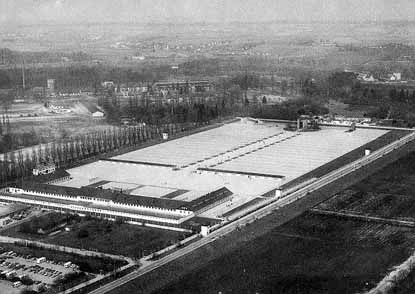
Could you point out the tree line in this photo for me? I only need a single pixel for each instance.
(19, 164)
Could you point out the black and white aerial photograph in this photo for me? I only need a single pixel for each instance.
(207, 146)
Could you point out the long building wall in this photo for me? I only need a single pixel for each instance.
(85, 200)
(206, 208)
(88, 210)
(107, 208)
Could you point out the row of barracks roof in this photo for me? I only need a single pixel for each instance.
(120, 197)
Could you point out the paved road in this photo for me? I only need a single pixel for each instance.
(289, 196)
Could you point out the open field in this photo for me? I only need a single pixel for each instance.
(36, 108)
(339, 108)
(59, 127)
(308, 255)
(36, 122)
(106, 236)
(388, 193)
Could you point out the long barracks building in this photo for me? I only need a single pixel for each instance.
(150, 211)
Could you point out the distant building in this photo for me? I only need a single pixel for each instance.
(139, 57)
(307, 123)
(271, 99)
(44, 169)
(183, 86)
(95, 111)
(365, 77)
(98, 114)
(395, 77)
(108, 84)
(50, 87)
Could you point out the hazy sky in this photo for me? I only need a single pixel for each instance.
(33, 11)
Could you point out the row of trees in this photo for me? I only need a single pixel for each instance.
(5, 125)
(19, 164)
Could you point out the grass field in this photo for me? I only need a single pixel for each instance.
(106, 236)
(348, 110)
(311, 254)
(34, 118)
(387, 193)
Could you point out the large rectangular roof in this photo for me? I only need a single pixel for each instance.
(97, 206)
(165, 203)
(201, 146)
(106, 194)
(293, 156)
(246, 157)
(208, 199)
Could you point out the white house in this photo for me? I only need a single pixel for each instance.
(98, 114)
(107, 84)
(95, 111)
(369, 78)
(396, 76)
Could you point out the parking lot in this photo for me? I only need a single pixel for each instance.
(20, 268)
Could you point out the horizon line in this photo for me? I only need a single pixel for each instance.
(293, 21)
